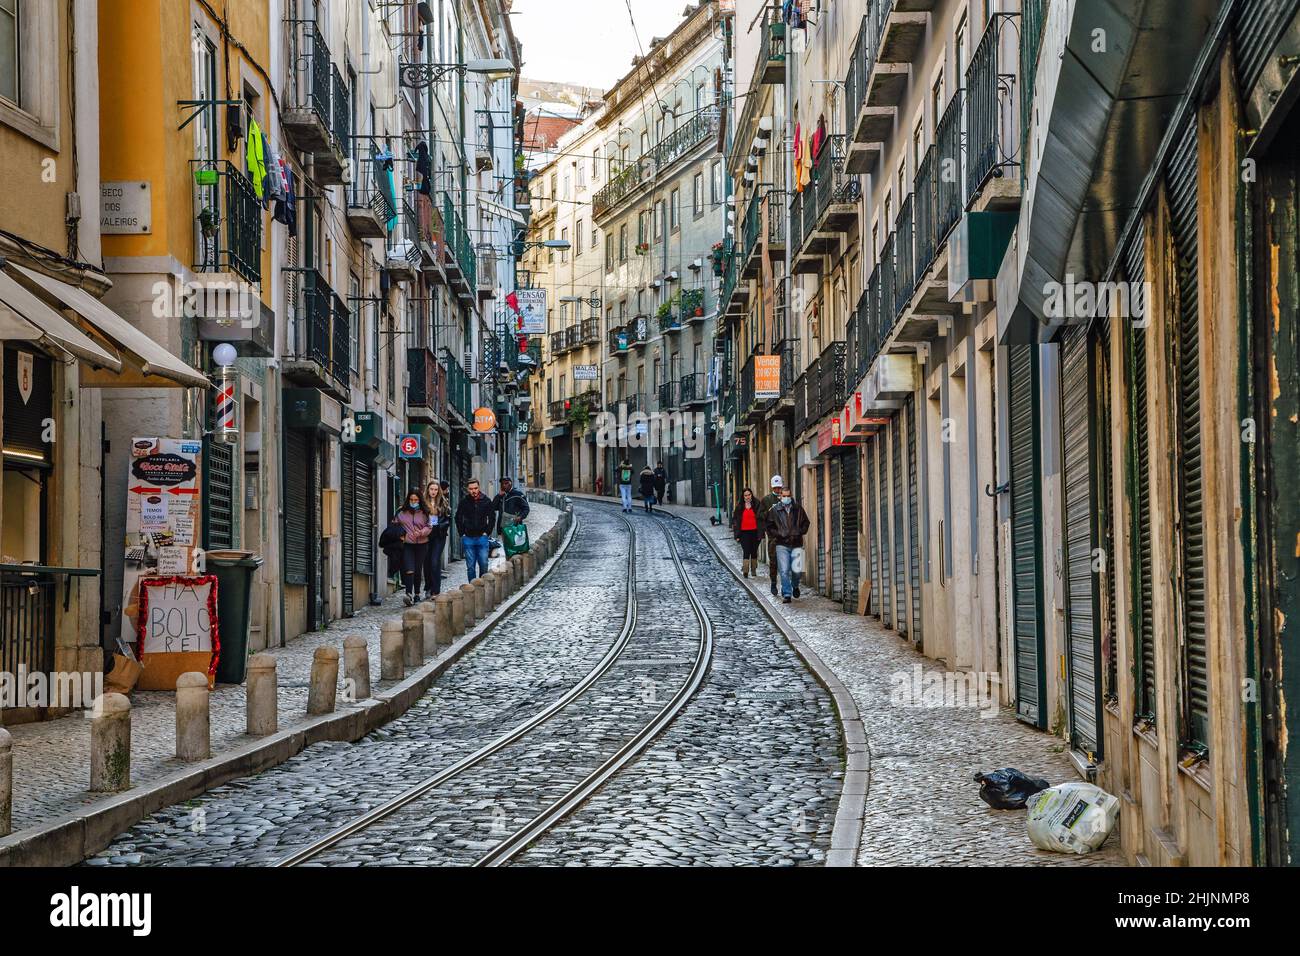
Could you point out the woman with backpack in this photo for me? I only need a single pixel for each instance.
(747, 529)
(438, 504)
(416, 529)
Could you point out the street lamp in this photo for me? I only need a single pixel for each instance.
(421, 75)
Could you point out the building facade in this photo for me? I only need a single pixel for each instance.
(1033, 381)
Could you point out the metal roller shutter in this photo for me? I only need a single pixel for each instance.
(819, 522)
(1026, 520)
(851, 502)
(297, 462)
(367, 524)
(1083, 656)
(900, 543)
(873, 528)
(348, 524)
(833, 584)
(562, 465)
(1256, 27)
(218, 485)
(913, 524)
(886, 548)
(1181, 186)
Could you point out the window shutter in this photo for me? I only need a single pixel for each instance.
(296, 514)
(1026, 515)
(900, 542)
(348, 522)
(851, 509)
(913, 524)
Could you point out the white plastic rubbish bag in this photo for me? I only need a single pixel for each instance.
(1072, 818)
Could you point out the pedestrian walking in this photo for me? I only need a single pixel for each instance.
(510, 505)
(475, 517)
(415, 542)
(787, 523)
(771, 498)
(390, 542)
(600, 486)
(747, 530)
(648, 488)
(438, 504)
(661, 483)
(625, 484)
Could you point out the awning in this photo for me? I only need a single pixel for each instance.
(27, 318)
(156, 366)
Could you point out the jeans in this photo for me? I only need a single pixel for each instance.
(476, 556)
(789, 579)
(650, 502)
(625, 492)
(412, 564)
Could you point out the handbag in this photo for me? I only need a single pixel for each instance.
(796, 561)
(516, 538)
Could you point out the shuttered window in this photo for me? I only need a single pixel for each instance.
(1026, 515)
(913, 524)
(348, 525)
(833, 584)
(900, 542)
(1081, 632)
(873, 527)
(851, 506)
(1194, 697)
(24, 421)
(367, 520)
(297, 462)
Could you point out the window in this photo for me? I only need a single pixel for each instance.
(564, 237)
(609, 252)
(645, 142)
(641, 237)
(936, 100)
(716, 192)
(697, 195)
(595, 166)
(701, 97)
(959, 48)
(582, 174)
(564, 314)
(902, 180)
(554, 193)
(578, 233)
(595, 236)
(550, 253)
(354, 306)
(10, 54)
(622, 242)
(676, 209)
(659, 219)
(568, 186)
(918, 138)
(373, 359)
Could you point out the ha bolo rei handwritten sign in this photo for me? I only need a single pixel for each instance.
(177, 629)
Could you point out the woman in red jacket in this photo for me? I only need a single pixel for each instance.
(746, 529)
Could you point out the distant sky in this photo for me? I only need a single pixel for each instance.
(588, 41)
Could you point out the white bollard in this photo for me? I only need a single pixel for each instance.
(110, 744)
(193, 717)
(263, 696)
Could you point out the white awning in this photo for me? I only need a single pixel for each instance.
(31, 320)
(500, 211)
(151, 358)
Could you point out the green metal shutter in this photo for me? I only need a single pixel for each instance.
(218, 485)
(900, 542)
(851, 501)
(1103, 491)
(817, 513)
(873, 528)
(886, 549)
(1026, 522)
(833, 582)
(1082, 637)
(914, 531)
(1195, 696)
(297, 461)
(348, 524)
(364, 488)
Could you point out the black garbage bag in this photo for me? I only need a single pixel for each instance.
(1008, 788)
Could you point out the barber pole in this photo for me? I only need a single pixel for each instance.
(226, 429)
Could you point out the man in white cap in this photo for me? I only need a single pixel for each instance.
(771, 498)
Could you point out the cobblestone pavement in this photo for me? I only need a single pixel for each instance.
(749, 773)
(923, 807)
(52, 758)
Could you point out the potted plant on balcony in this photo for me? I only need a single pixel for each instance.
(665, 311)
(579, 416)
(715, 256)
(642, 248)
(693, 302)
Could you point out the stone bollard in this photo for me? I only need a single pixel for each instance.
(413, 636)
(193, 720)
(442, 620)
(517, 571)
(530, 565)
(323, 691)
(503, 576)
(479, 590)
(356, 666)
(491, 593)
(392, 651)
(430, 628)
(262, 696)
(470, 607)
(456, 599)
(110, 744)
(6, 782)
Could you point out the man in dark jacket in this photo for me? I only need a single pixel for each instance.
(786, 524)
(764, 506)
(648, 488)
(510, 504)
(475, 517)
(661, 483)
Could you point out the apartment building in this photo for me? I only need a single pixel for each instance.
(1031, 383)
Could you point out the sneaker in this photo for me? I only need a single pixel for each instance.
(407, 600)
(785, 600)
(796, 592)
(773, 589)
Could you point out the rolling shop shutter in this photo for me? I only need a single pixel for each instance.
(218, 485)
(913, 524)
(367, 524)
(834, 588)
(851, 504)
(1181, 185)
(873, 528)
(1083, 653)
(562, 466)
(900, 542)
(819, 521)
(886, 549)
(297, 461)
(348, 523)
(1026, 515)
(1256, 27)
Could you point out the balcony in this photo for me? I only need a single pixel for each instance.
(369, 208)
(230, 221)
(693, 389)
(403, 254)
(869, 124)
(789, 350)
(429, 233)
(619, 341)
(733, 296)
(573, 336)
(458, 251)
(991, 137)
(667, 396)
(318, 354)
(486, 275)
(691, 305)
(771, 56)
(309, 114)
(458, 390)
(638, 331)
(426, 392)
(656, 162)
(905, 276)
(805, 396)
(589, 332)
(631, 403)
(559, 343)
(828, 205)
(750, 407)
(832, 380)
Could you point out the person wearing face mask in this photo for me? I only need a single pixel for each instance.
(746, 529)
(771, 498)
(438, 504)
(416, 529)
(787, 523)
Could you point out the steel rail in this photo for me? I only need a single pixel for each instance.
(519, 841)
(388, 808)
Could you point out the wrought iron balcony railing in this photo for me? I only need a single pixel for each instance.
(559, 342)
(990, 99)
(458, 386)
(667, 395)
(590, 334)
(693, 387)
(309, 85)
(771, 57)
(832, 383)
(949, 184)
(905, 276)
(427, 388)
(460, 249)
(321, 332)
(924, 211)
(230, 221)
(656, 161)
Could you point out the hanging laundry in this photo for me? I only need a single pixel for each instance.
(819, 137)
(286, 210)
(384, 177)
(802, 167)
(256, 157)
(424, 169)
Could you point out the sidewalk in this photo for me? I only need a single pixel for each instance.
(51, 759)
(922, 806)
